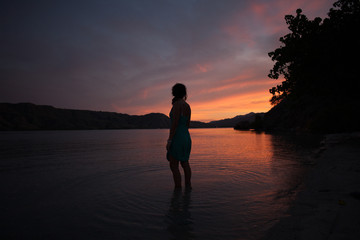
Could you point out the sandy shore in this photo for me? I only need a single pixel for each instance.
(329, 207)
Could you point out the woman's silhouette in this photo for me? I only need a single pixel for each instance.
(179, 142)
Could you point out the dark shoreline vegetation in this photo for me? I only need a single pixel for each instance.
(318, 62)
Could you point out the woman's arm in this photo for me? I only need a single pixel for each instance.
(188, 123)
(176, 111)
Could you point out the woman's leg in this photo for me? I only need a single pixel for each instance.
(174, 166)
(187, 173)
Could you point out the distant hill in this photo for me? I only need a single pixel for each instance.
(232, 122)
(198, 124)
(28, 116)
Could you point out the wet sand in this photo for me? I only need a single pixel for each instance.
(329, 207)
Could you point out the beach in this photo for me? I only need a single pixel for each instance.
(329, 205)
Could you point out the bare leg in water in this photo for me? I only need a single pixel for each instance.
(187, 173)
(174, 166)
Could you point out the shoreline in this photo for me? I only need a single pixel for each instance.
(329, 206)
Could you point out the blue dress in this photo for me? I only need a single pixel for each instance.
(181, 143)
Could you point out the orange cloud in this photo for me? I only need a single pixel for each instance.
(238, 82)
(228, 107)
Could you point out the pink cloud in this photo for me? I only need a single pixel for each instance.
(202, 68)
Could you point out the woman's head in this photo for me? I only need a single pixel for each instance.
(179, 92)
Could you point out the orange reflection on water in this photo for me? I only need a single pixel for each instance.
(257, 160)
(245, 173)
(234, 154)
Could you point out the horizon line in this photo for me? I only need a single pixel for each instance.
(203, 121)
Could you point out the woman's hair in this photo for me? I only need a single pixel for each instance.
(179, 92)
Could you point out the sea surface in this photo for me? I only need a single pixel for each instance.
(116, 184)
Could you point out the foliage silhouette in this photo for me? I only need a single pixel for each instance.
(317, 62)
(318, 57)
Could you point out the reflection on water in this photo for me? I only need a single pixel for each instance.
(117, 184)
(179, 215)
(291, 158)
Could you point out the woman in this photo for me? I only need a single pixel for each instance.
(179, 142)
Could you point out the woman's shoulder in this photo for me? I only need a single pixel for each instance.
(185, 108)
(181, 103)
(187, 105)
(177, 104)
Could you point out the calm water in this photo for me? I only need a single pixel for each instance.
(116, 184)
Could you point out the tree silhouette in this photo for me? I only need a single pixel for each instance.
(318, 58)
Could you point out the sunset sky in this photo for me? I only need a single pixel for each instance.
(124, 56)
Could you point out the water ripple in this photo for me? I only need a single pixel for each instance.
(117, 184)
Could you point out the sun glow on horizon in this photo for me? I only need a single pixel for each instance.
(228, 98)
(218, 109)
(229, 107)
